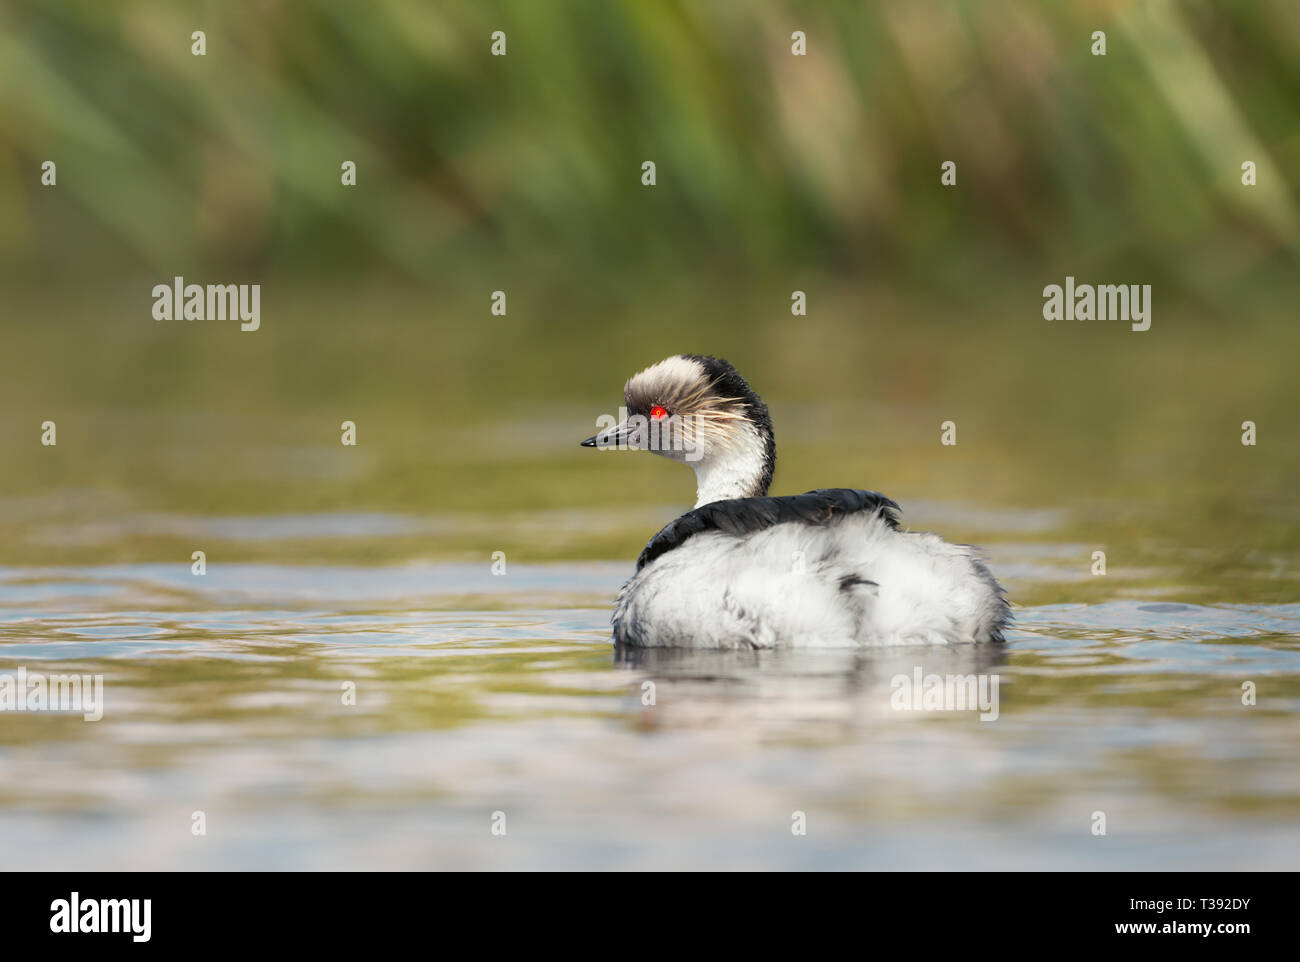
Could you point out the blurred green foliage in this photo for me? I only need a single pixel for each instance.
(481, 166)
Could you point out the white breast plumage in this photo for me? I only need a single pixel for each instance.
(852, 580)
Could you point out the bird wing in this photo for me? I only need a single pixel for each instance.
(741, 516)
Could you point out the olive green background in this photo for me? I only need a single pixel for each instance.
(775, 173)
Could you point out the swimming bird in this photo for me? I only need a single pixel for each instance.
(829, 568)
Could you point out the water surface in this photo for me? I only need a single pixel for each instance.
(481, 693)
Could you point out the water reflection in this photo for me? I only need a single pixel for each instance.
(793, 687)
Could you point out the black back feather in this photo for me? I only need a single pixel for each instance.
(741, 516)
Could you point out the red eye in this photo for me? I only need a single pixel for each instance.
(657, 413)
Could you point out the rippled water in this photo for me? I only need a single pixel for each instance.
(478, 694)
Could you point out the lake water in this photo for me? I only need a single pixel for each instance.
(478, 694)
(371, 566)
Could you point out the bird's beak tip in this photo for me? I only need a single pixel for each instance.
(589, 442)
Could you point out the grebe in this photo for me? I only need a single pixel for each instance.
(829, 568)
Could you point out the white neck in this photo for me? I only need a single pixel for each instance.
(734, 472)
